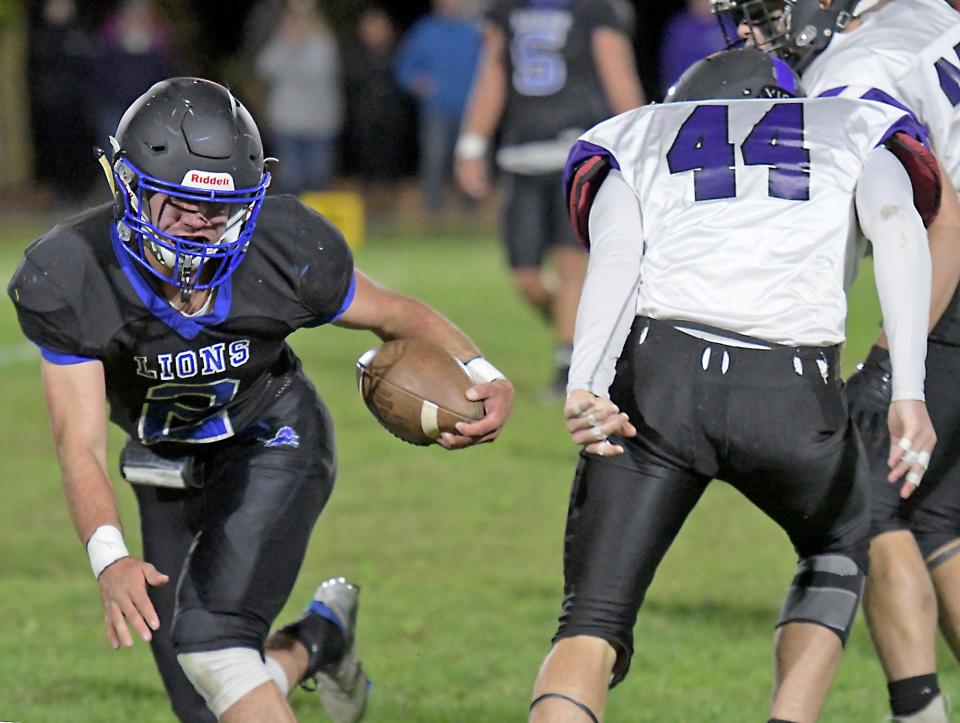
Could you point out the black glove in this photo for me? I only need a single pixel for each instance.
(869, 390)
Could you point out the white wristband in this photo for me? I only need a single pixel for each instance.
(471, 146)
(481, 371)
(105, 547)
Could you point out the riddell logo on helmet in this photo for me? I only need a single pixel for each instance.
(209, 181)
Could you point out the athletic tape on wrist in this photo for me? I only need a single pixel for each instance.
(105, 547)
(481, 371)
(470, 146)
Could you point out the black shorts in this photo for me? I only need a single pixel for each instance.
(932, 512)
(233, 547)
(534, 218)
(705, 410)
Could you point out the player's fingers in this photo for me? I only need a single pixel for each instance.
(584, 437)
(593, 417)
(153, 576)
(466, 440)
(479, 428)
(455, 441)
(899, 469)
(479, 392)
(899, 446)
(119, 625)
(110, 632)
(146, 610)
(910, 484)
(134, 618)
(604, 449)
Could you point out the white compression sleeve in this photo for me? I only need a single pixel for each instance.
(901, 258)
(608, 302)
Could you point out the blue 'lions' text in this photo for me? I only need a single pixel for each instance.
(207, 360)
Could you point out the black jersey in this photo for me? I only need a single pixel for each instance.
(553, 82)
(172, 378)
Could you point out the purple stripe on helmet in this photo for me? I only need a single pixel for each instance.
(581, 151)
(786, 78)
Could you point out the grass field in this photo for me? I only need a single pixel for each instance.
(458, 554)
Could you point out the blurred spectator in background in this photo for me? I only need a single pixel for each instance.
(58, 67)
(550, 70)
(259, 26)
(135, 49)
(380, 117)
(300, 66)
(435, 63)
(690, 35)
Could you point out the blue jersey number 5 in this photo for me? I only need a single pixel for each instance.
(702, 145)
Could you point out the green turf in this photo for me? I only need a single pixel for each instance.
(458, 553)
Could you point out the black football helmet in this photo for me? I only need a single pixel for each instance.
(796, 30)
(737, 73)
(192, 140)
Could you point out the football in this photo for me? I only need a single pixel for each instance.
(415, 389)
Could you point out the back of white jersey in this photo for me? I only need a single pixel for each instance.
(909, 49)
(748, 208)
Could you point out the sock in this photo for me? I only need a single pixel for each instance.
(327, 637)
(323, 639)
(562, 355)
(911, 695)
(279, 677)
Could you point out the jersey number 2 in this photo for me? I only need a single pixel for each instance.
(182, 412)
(702, 145)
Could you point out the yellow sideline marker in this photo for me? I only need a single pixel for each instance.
(344, 209)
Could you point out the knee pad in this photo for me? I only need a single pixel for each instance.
(826, 591)
(223, 677)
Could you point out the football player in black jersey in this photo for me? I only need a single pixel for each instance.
(174, 303)
(549, 71)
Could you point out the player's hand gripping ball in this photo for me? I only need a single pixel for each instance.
(416, 390)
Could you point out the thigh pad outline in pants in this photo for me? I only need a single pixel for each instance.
(624, 514)
(534, 219)
(932, 512)
(245, 561)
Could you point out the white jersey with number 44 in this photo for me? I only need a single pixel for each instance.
(748, 208)
(910, 49)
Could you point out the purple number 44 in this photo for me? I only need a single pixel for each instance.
(702, 145)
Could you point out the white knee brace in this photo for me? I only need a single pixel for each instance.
(223, 677)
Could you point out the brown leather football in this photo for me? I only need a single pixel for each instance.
(416, 389)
